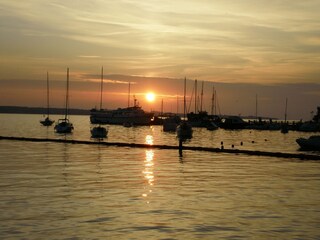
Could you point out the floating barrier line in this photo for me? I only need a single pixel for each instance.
(301, 156)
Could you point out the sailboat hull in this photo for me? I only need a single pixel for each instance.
(47, 122)
(63, 126)
(99, 132)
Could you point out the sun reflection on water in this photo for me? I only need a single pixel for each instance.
(149, 139)
(148, 172)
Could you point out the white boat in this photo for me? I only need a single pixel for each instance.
(311, 143)
(134, 115)
(184, 130)
(98, 131)
(122, 116)
(64, 125)
(47, 121)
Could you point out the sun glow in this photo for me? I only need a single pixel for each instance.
(150, 96)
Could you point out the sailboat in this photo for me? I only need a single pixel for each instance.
(64, 125)
(169, 121)
(47, 121)
(99, 131)
(184, 130)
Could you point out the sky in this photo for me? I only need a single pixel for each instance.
(246, 50)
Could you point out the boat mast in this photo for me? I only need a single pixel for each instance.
(101, 88)
(129, 95)
(201, 97)
(212, 101)
(162, 107)
(195, 96)
(177, 104)
(285, 113)
(184, 98)
(67, 95)
(48, 94)
(256, 106)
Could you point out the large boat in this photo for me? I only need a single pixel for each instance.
(313, 125)
(201, 118)
(233, 122)
(311, 143)
(131, 115)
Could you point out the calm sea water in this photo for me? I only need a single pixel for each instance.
(69, 191)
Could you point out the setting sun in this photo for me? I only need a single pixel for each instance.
(150, 97)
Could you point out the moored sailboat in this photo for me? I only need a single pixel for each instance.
(184, 130)
(47, 121)
(99, 131)
(311, 143)
(64, 125)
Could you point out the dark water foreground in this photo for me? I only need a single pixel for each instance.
(60, 190)
(71, 191)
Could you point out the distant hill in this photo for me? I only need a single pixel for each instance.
(39, 110)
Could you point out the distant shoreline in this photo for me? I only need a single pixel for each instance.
(42, 111)
(72, 111)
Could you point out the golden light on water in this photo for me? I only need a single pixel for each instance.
(148, 172)
(148, 163)
(149, 140)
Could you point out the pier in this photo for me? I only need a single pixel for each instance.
(301, 156)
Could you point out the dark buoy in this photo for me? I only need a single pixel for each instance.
(252, 141)
(221, 142)
(232, 145)
(241, 143)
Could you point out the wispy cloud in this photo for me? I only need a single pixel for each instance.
(248, 41)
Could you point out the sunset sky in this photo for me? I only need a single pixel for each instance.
(244, 48)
